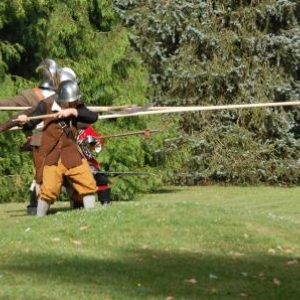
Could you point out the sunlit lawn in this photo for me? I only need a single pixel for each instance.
(183, 243)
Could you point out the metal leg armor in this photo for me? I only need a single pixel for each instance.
(33, 198)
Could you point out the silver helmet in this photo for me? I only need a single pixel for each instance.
(48, 73)
(65, 74)
(68, 91)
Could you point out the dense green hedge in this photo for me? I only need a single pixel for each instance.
(88, 37)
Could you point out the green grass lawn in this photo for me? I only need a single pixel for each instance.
(184, 243)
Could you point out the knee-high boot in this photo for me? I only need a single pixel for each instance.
(33, 198)
(104, 196)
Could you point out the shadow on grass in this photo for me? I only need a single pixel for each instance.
(23, 212)
(151, 274)
(17, 213)
(15, 210)
(165, 191)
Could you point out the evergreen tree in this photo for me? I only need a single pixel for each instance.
(218, 53)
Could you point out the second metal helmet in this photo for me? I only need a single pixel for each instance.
(48, 73)
(65, 74)
(68, 91)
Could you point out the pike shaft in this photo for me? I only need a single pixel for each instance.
(128, 134)
(123, 173)
(165, 110)
(93, 108)
(199, 108)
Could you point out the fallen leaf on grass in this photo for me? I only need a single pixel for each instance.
(83, 227)
(75, 242)
(56, 239)
(285, 249)
(27, 229)
(271, 251)
(244, 295)
(276, 281)
(292, 262)
(261, 275)
(212, 276)
(170, 298)
(192, 280)
(236, 254)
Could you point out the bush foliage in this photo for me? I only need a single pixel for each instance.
(168, 53)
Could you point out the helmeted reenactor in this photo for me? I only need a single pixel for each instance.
(91, 142)
(47, 70)
(63, 74)
(50, 75)
(59, 150)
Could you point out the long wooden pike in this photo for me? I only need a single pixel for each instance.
(108, 173)
(136, 110)
(174, 109)
(93, 108)
(144, 132)
(199, 108)
(13, 108)
(111, 108)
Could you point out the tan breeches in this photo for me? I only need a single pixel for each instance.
(80, 177)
